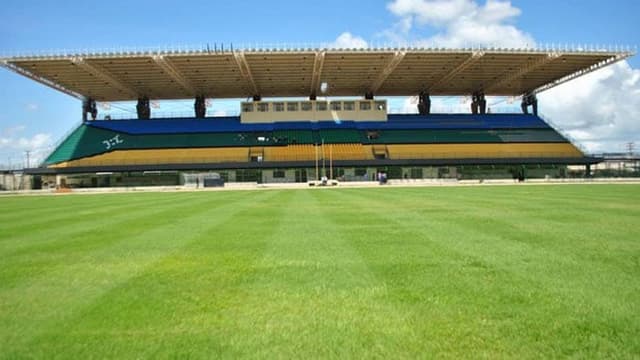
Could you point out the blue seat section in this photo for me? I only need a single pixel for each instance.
(395, 122)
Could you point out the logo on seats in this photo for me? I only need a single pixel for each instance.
(110, 143)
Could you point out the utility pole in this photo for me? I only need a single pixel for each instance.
(630, 148)
(28, 152)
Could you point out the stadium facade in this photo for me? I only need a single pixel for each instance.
(327, 114)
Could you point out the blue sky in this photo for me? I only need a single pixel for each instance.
(34, 117)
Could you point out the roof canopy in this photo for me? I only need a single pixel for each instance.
(300, 73)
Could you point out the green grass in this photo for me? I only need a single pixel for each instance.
(482, 272)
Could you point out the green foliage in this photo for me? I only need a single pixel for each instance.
(482, 272)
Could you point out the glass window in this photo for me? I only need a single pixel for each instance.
(381, 105)
(278, 106)
(292, 106)
(349, 106)
(321, 106)
(263, 107)
(365, 105)
(278, 174)
(247, 107)
(306, 106)
(336, 106)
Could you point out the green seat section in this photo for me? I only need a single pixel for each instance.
(201, 140)
(534, 135)
(87, 141)
(432, 136)
(294, 136)
(460, 136)
(340, 136)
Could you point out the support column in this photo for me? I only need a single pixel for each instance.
(424, 103)
(89, 106)
(475, 102)
(144, 112)
(529, 99)
(483, 103)
(200, 107)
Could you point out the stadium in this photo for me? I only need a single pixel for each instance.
(148, 264)
(327, 117)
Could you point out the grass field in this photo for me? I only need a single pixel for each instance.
(505, 271)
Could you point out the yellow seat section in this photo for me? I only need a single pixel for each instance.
(308, 152)
(289, 153)
(347, 152)
(163, 156)
(479, 151)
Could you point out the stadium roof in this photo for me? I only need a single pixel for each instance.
(115, 76)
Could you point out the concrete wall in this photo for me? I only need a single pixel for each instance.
(377, 111)
(12, 181)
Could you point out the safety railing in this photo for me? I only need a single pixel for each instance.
(564, 133)
(306, 156)
(479, 155)
(59, 142)
(228, 47)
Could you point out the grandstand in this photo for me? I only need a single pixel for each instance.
(287, 140)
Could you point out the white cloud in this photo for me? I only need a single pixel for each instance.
(346, 40)
(12, 130)
(460, 23)
(34, 142)
(14, 147)
(433, 12)
(32, 107)
(600, 110)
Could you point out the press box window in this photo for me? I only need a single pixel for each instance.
(278, 174)
(247, 107)
(381, 105)
(292, 106)
(365, 106)
(336, 106)
(349, 106)
(321, 106)
(278, 106)
(263, 107)
(306, 106)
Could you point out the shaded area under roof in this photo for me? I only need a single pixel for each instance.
(301, 73)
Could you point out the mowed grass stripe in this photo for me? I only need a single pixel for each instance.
(505, 271)
(90, 208)
(48, 248)
(55, 297)
(178, 290)
(420, 272)
(555, 282)
(318, 288)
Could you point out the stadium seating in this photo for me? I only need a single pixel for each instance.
(217, 140)
(482, 151)
(351, 151)
(290, 153)
(163, 156)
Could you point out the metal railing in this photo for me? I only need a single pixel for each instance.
(228, 47)
(310, 157)
(564, 133)
(59, 142)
